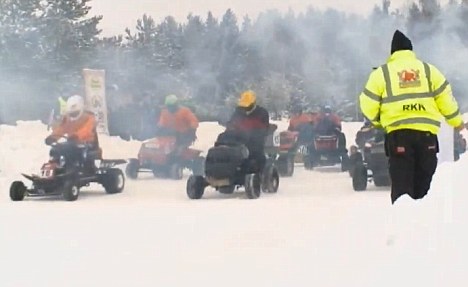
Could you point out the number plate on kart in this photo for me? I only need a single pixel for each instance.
(47, 171)
(303, 150)
(106, 164)
(323, 157)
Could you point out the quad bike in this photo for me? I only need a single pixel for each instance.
(370, 165)
(163, 158)
(69, 168)
(326, 151)
(228, 167)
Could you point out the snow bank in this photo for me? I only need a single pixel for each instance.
(315, 232)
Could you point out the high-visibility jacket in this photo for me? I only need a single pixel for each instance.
(62, 106)
(407, 93)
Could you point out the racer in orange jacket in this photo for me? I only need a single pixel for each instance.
(179, 120)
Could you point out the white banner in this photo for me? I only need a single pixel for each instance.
(95, 90)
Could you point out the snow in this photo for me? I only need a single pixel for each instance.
(315, 232)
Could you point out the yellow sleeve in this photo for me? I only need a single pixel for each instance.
(445, 101)
(371, 97)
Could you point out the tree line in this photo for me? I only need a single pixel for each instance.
(309, 59)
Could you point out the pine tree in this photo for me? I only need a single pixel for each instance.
(44, 46)
(229, 62)
(423, 19)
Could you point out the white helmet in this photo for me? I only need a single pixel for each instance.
(75, 107)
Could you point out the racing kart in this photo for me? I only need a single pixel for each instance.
(325, 151)
(287, 150)
(162, 157)
(71, 167)
(228, 167)
(371, 164)
(281, 147)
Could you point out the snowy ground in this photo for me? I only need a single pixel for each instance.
(315, 232)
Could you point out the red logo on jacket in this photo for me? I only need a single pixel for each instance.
(409, 78)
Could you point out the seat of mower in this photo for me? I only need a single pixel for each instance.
(94, 154)
(326, 142)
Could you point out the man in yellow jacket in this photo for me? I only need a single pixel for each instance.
(409, 98)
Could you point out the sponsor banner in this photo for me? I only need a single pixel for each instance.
(95, 96)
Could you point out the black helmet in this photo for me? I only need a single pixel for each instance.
(296, 110)
(326, 109)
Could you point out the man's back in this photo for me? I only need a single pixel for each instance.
(327, 123)
(254, 125)
(407, 93)
(258, 119)
(181, 120)
(297, 120)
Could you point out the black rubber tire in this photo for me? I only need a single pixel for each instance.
(357, 160)
(345, 163)
(113, 181)
(286, 165)
(131, 170)
(252, 185)
(270, 178)
(198, 166)
(360, 178)
(17, 191)
(70, 191)
(382, 180)
(176, 171)
(308, 163)
(195, 186)
(156, 172)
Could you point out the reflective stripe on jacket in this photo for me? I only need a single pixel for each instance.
(407, 93)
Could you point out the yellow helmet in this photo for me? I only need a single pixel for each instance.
(247, 99)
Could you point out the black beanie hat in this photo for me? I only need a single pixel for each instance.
(400, 42)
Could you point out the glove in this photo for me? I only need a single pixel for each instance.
(50, 140)
(62, 140)
(461, 127)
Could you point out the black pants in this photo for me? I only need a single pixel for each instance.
(74, 155)
(412, 162)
